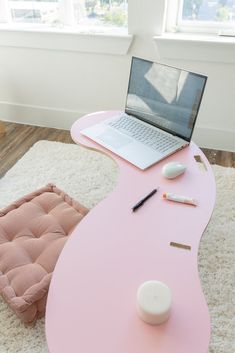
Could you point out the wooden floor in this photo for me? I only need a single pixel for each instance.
(18, 138)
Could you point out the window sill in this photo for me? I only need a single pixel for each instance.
(194, 47)
(55, 39)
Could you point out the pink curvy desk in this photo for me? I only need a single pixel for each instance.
(91, 304)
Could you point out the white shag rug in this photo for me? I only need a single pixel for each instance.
(88, 176)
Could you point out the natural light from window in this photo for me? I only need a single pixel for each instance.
(200, 10)
(202, 15)
(99, 16)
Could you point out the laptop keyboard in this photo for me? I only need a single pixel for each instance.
(150, 137)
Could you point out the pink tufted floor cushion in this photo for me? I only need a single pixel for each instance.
(33, 231)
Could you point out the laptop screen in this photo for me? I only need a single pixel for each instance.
(165, 96)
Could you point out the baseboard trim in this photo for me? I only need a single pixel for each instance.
(39, 115)
(214, 138)
(63, 119)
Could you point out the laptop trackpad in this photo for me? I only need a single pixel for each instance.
(114, 139)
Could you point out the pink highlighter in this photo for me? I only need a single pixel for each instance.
(179, 198)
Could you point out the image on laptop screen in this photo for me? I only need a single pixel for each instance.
(165, 96)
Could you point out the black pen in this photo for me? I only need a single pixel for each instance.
(141, 202)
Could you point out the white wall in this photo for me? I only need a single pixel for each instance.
(54, 87)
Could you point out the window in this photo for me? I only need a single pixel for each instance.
(82, 15)
(206, 16)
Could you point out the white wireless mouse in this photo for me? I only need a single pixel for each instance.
(173, 169)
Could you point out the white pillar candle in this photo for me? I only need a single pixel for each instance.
(154, 302)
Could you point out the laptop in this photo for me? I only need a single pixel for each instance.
(161, 108)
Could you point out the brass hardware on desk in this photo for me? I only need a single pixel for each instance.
(182, 246)
(200, 163)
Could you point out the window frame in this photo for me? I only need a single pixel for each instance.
(66, 39)
(175, 23)
(5, 16)
(68, 24)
